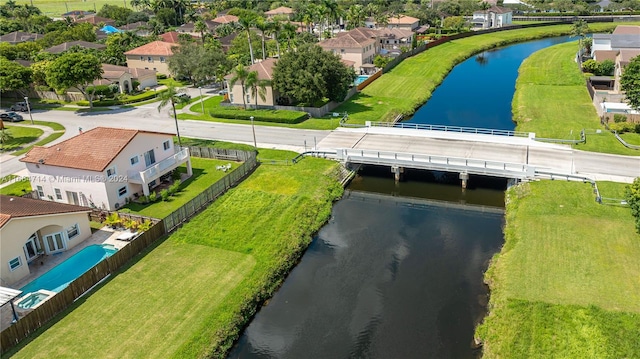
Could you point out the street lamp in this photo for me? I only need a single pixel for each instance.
(26, 100)
(201, 99)
(253, 129)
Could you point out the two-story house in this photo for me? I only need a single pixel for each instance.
(152, 56)
(493, 17)
(355, 45)
(265, 72)
(281, 12)
(403, 22)
(30, 228)
(104, 167)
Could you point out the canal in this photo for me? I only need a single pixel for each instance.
(398, 270)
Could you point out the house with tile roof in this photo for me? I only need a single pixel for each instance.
(622, 45)
(17, 37)
(146, 78)
(225, 19)
(151, 56)
(356, 45)
(265, 72)
(31, 228)
(622, 60)
(403, 22)
(173, 37)
(280, 12)
(104, 167)
(96, 20)
(139, 28)
(190, 27)
(65, 46)
(493, 17)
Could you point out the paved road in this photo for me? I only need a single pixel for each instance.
(147, 117)
(543, 156)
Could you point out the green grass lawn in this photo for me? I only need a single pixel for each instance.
(631, 138)
(16, 188)
(171, 81)
(55, 8)
(190, 296)
(204, 175)
(566, 283)
(411, 83)
(20, 136)
(551, 100)
(310, 124)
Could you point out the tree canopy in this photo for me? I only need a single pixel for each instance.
(309, 74)
(630, 82)
(197, 63)
(632, 194)
(13, 76)
(74, 69)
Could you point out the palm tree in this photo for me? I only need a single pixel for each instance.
(275, 28)
(241, 74)
(355, 16)
(257, 86)
(580, 29)
(172, 96)
(200, 27)
(263, 26)
(289, 31)
(245, 22)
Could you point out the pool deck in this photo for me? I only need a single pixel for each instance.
(43, 264)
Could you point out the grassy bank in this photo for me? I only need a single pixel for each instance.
(565, 284)
(551, 100)
(192, 294)
(411, 83)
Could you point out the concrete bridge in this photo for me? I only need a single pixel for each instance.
(485, 152)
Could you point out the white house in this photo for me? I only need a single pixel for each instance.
(103, 167)
(493, 17)
(30, 228)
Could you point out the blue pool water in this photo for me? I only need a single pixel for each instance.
(360, 79)
(32, 300)
(64, 273)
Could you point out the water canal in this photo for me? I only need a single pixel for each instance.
(478, 92)
(397, 271)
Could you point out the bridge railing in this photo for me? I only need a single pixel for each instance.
(443, 163)
(458, 129)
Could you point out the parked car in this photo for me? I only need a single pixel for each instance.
(223, 92)
(20, 106)
(11, 117)
(183, 96)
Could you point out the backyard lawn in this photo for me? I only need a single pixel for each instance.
(18, 187)
(20, 136)
(566, 283)
(204, 175)
(551, 100)
(190, 296)
(411, 83)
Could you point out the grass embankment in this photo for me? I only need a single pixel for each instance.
(566, 283)
(551, 100)
(18, 186)
(204, 175)
(411, 83)
(20, 135)
(59, 131)
(190, 296)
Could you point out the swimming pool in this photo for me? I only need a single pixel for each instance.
(64, 273)
(360, 79)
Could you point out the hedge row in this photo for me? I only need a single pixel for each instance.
(131, 99)
(278, 116)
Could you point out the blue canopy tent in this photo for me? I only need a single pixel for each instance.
(108, 29)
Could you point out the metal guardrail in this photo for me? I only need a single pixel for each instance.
(442, 163)
(457, 129)
(583, 139)
(624, 143)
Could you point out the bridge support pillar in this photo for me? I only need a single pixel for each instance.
(464, 176)
(397, 172)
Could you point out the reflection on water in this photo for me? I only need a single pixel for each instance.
(387, 277)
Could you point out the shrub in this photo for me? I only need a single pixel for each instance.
(174, 187)
(164, 194)
(153, 197)
(618, 117)
(591, 66)
(144, 199)
(622, 127)
(175, 175)
(278, 116)
(101, 90)
(161, 76)
(607, 67)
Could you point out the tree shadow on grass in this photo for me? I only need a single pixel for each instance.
(354, 105)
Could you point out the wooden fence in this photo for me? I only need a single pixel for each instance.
(59, 302)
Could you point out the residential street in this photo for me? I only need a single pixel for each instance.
(147, 117)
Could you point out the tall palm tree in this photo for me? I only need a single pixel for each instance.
(275, 28)
(289, 31)
(355, 16)
(262, 25)
(257, 87)
(172, 96)
(200, 27)
(240, 73)
(245, 22)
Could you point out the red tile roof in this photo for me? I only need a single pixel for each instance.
(16, 207)
(264, 69)
(92, 150)
(348, 40)
(158, 48)
(279, 11)
(402, 20)
(225, 19)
